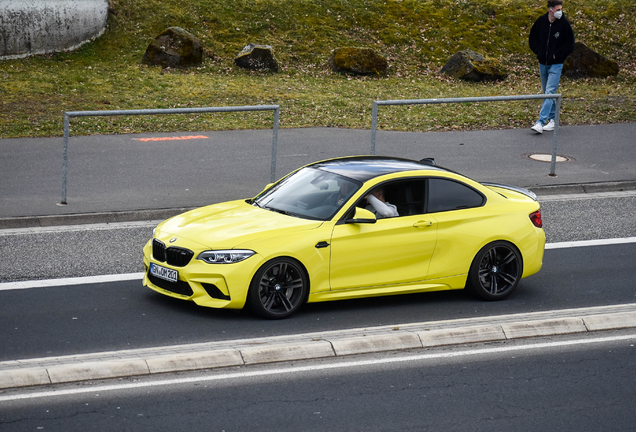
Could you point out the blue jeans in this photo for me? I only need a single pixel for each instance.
(550, 76)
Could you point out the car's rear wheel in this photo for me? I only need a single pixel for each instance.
(278, 289)
(495, 271)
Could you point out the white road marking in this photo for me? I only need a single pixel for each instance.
(586, 196)
(45, 283)
(342, 364)
(79, 228)
(583, 243)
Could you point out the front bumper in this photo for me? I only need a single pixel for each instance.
(210, 285)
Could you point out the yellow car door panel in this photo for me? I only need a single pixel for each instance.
(391, 251)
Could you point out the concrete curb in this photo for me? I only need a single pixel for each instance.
(161, 214)
(119, 364)
(90, 218)
(582, 188)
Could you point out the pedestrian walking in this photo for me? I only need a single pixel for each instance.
(552, 40)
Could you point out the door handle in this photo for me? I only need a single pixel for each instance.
(422, 224)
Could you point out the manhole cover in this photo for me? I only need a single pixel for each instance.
(543, 157)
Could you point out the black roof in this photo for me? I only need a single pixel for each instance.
(363, 168)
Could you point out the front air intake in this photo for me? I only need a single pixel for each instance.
(179, 287)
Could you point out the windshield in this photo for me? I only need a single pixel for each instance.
(309, 193)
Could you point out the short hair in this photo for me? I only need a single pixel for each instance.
(553, 3)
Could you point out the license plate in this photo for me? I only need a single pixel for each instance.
(164, 273)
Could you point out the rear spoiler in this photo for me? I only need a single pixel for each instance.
(521, 190)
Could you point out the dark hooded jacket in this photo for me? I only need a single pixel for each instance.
(551, 42)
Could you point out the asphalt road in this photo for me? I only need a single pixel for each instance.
(569, 384)
(43, 322)
(548, 388)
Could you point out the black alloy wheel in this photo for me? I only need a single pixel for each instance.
(495, 271)
(278, 289)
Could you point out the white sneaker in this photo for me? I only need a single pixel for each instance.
(538, 127)
(549, 126)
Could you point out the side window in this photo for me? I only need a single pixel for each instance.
(445, 195)
(406, 195)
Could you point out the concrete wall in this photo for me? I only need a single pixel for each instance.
(30, 27)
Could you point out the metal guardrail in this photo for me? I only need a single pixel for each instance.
(555, 141)
(69, 114)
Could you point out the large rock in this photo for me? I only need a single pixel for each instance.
(472, 66)
(586, 63)
(257, 57)
(359, 61)
(175, 47)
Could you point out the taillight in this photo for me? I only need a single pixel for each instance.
(535, 218)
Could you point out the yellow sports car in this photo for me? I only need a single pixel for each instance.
(347, 228)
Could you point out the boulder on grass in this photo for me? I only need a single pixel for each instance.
(359, 61)
(586, 63)
(472, 66)
(257, 57)
(175, 47)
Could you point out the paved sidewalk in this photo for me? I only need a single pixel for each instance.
(116, 364)
(120, 178)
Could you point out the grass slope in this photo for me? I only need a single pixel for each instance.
(417, 37)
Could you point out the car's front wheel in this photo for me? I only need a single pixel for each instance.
(278, 289)
(495, 271)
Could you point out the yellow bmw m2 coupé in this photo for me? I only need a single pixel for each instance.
(347, 228)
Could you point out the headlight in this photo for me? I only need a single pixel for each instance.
(225, 256)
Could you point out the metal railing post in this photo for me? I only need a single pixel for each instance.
(274, 146)
(374, 126)
(555, 139)
(65, 158)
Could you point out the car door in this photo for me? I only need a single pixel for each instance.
(462, 223)
(392, 251)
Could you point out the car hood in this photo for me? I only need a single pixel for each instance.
(230, 224)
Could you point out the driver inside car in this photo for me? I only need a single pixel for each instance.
(379, 206)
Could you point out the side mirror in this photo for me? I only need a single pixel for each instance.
(362, 216)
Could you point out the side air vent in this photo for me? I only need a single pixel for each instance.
(214, 292)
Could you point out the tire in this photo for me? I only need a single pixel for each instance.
(495, 271)
(278, 289)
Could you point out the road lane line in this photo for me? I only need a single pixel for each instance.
(583, 243)
(342, 364)
(45, 283)
(79, 228)
(587, 196)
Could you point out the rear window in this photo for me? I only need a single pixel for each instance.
(445, 195)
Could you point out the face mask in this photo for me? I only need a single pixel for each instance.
(558, 14)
